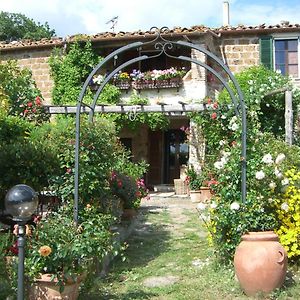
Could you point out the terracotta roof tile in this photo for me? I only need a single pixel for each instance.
(285, 26)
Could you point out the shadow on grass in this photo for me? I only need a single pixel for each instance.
(149, 239)
(122, 296)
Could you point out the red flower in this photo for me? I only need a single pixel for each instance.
(233, 143)
(14, 248)
(214, 115)
(69, 170)
(208, 101)
(29, 104)
(120, 183)
(25, 112)
(38, 101)
(215, 105)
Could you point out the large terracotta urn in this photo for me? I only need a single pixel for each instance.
(260, 262)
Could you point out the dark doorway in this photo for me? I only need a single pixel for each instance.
(176, 154)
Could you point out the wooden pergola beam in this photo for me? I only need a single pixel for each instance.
(124, 108)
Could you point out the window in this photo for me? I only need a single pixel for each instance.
(280, 54)
(286, 56)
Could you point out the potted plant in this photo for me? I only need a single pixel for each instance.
(199, 184)
(129, 190)
(59, 253)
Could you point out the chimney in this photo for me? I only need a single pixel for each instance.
(225, 13)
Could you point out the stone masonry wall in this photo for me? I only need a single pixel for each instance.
(241, 52)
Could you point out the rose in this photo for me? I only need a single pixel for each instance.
(234, 206)
(279, 158)
(267, 159)
(45, 251)
(260, 175)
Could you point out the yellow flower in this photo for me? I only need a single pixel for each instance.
(45, 251)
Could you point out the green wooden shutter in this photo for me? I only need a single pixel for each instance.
(266, 51)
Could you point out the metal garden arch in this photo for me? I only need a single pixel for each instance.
(163, 45)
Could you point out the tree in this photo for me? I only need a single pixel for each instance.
(15, 26)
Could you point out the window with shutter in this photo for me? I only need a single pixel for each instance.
(266, 51)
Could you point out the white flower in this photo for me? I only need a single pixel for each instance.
(234, 206)
(223, 117)
(285, 181)
(234, 127)
(260, 175)
(218, 165)
(272, 185)
(267, 159)
(201, 206)
(277, 173)
(270, 200)
(222, 143)
(284, 206)
(225, 153)
(233, 120)
(213, 205)
(280, 158)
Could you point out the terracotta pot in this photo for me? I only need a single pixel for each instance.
(202, 195)
(260, 262)
(45, 289)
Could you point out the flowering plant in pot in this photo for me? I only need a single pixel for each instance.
(129, 190)
(60, 251)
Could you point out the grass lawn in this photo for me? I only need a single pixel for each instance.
(168, 258)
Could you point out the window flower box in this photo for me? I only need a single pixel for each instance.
(122, 84)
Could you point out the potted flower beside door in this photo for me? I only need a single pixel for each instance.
(198, 185)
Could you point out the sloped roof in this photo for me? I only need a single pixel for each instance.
(112, 36)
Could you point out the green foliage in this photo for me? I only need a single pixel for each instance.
(23, 159)
(196, 180)
(134, 120)
(16, 26)
(20, 94)
(256, 82)
(60, 248)
(70, 70)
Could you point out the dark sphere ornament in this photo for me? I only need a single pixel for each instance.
(21, 202)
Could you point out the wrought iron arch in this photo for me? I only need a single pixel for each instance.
(163, 45)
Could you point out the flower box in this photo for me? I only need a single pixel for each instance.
(122, 84)
(157, 84)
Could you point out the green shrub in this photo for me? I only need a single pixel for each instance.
(24, 98)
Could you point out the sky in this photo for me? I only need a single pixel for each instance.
(69, 17)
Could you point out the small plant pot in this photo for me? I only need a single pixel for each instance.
(260, 263)
(202, 195)
(46, 289)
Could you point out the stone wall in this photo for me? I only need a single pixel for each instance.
(240, 52)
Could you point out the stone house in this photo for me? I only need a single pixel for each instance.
(276, 47)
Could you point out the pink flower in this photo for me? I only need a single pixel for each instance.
(214, 115)
(215, 105)
(38, 101)
(29, 104)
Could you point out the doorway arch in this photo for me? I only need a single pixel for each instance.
(164, 45)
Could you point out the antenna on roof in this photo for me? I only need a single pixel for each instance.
(113, 22)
